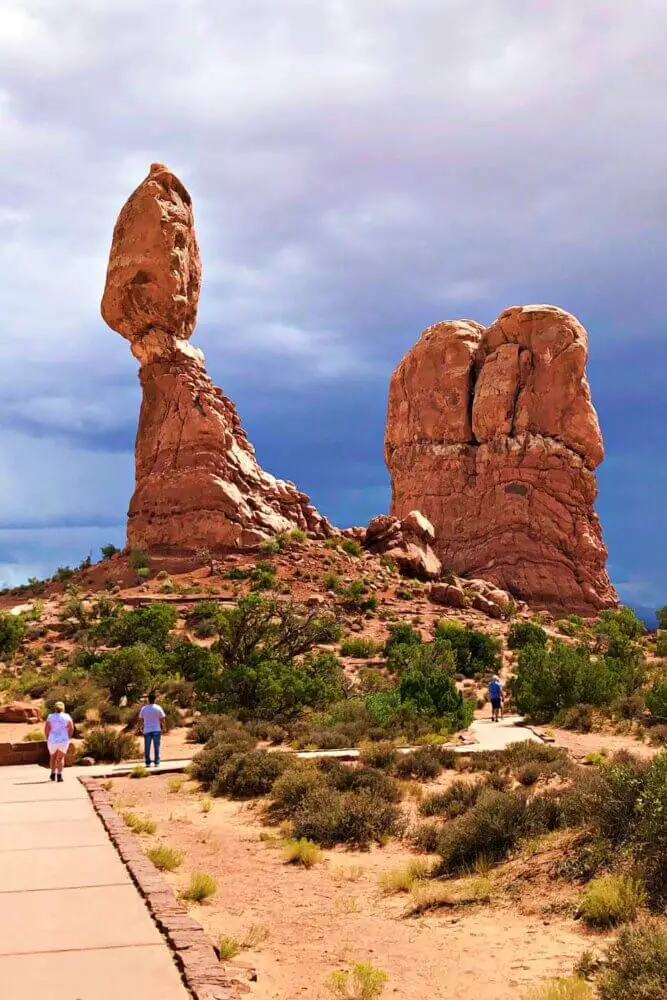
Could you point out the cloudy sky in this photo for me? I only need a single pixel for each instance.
(360, 169)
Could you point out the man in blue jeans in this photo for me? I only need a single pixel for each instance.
(152, 716)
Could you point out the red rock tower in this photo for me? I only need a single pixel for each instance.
(493, 435)
(198, 483)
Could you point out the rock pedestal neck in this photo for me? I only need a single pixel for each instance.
(198, 483)
(493, 435)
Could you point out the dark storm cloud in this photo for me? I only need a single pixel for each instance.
(360, 170)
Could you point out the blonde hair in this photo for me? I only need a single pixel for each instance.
(60, 706)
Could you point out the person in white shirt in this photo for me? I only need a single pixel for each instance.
(59, 730)
(152, 716)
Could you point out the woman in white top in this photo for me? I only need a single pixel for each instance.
(59, 730)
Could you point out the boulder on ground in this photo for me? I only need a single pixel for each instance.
(19, 711)
(405, 541)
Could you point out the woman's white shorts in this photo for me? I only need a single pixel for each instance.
(63, 747)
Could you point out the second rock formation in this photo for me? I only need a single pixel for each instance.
(493, 435)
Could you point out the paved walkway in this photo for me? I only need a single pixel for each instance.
(72, 924)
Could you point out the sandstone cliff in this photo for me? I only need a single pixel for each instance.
(198, 483)
(493, 435)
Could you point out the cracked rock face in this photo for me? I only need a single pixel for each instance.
(198, 483)
(493, 435)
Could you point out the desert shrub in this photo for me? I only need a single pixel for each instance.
(351, 546)
(621, 620)
(201, 887)
(661, 644)
(573, 988)
(526, 634)
(166, 859)
(216, 754)
(636, 964)
(364, 982)
(263, 576)
(607, 799)
(401, 634)
(196, 665)
(355, 597)
(328, 817)
(249, 775)
(12, 630)
(453, 802)
(651, 830)
(269, 732)
(292, 787)
(528, 774)
(578, 718)
(425, 837)
(403, 879)
(656, 699)
(203, 619)
(138, 824)
(474, 652)
(129, 672)
(105, 744)
(548, 681)
(108, 551)
(353, 779)
(492, 827)
(359, 648)
(611, 900)
(139, 559)
(381, 755)
(301, 852)
(657, 735)
(228, 948)
(423, 764)
(208, 726)
(427, 688)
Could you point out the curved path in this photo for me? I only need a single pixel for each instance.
(72, 924)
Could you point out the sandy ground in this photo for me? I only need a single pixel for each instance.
(335, 914)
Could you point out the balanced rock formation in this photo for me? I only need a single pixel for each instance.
(407, 542)
(198, 483)
(493, 435)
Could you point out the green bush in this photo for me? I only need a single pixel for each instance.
(139, 559)
(401, 634)
(208, 726)
(611, 900)
(526, 634)
(488, 830)
(201, 887)
(423, 764)
(150, 625)
(621, 620)
(656, 700)
(292, 787)
(249, 775)
(548, 681)
(12, 630)
(351, 546)
(203, 619)
(108, 551)
(358, 818)
(263, 576)
(578, 718)
(194, 663)
(129, 672)
(661, 644)
(215, 755)
(474, 652)
(359, 648)
(454, 801)
(636, 964)
(381, 755)
(105, 744)
(355, 597)
(651, 830)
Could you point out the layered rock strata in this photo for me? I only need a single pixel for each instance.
(198, 482)
(493, 435)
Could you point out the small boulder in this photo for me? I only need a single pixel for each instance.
(20, 711)
(449, 595)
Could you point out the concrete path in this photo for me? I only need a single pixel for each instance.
(72, 924)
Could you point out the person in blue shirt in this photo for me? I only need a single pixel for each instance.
(496, 697)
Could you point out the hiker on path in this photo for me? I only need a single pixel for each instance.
(59, 730)
(496, 697)
(152, 716)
